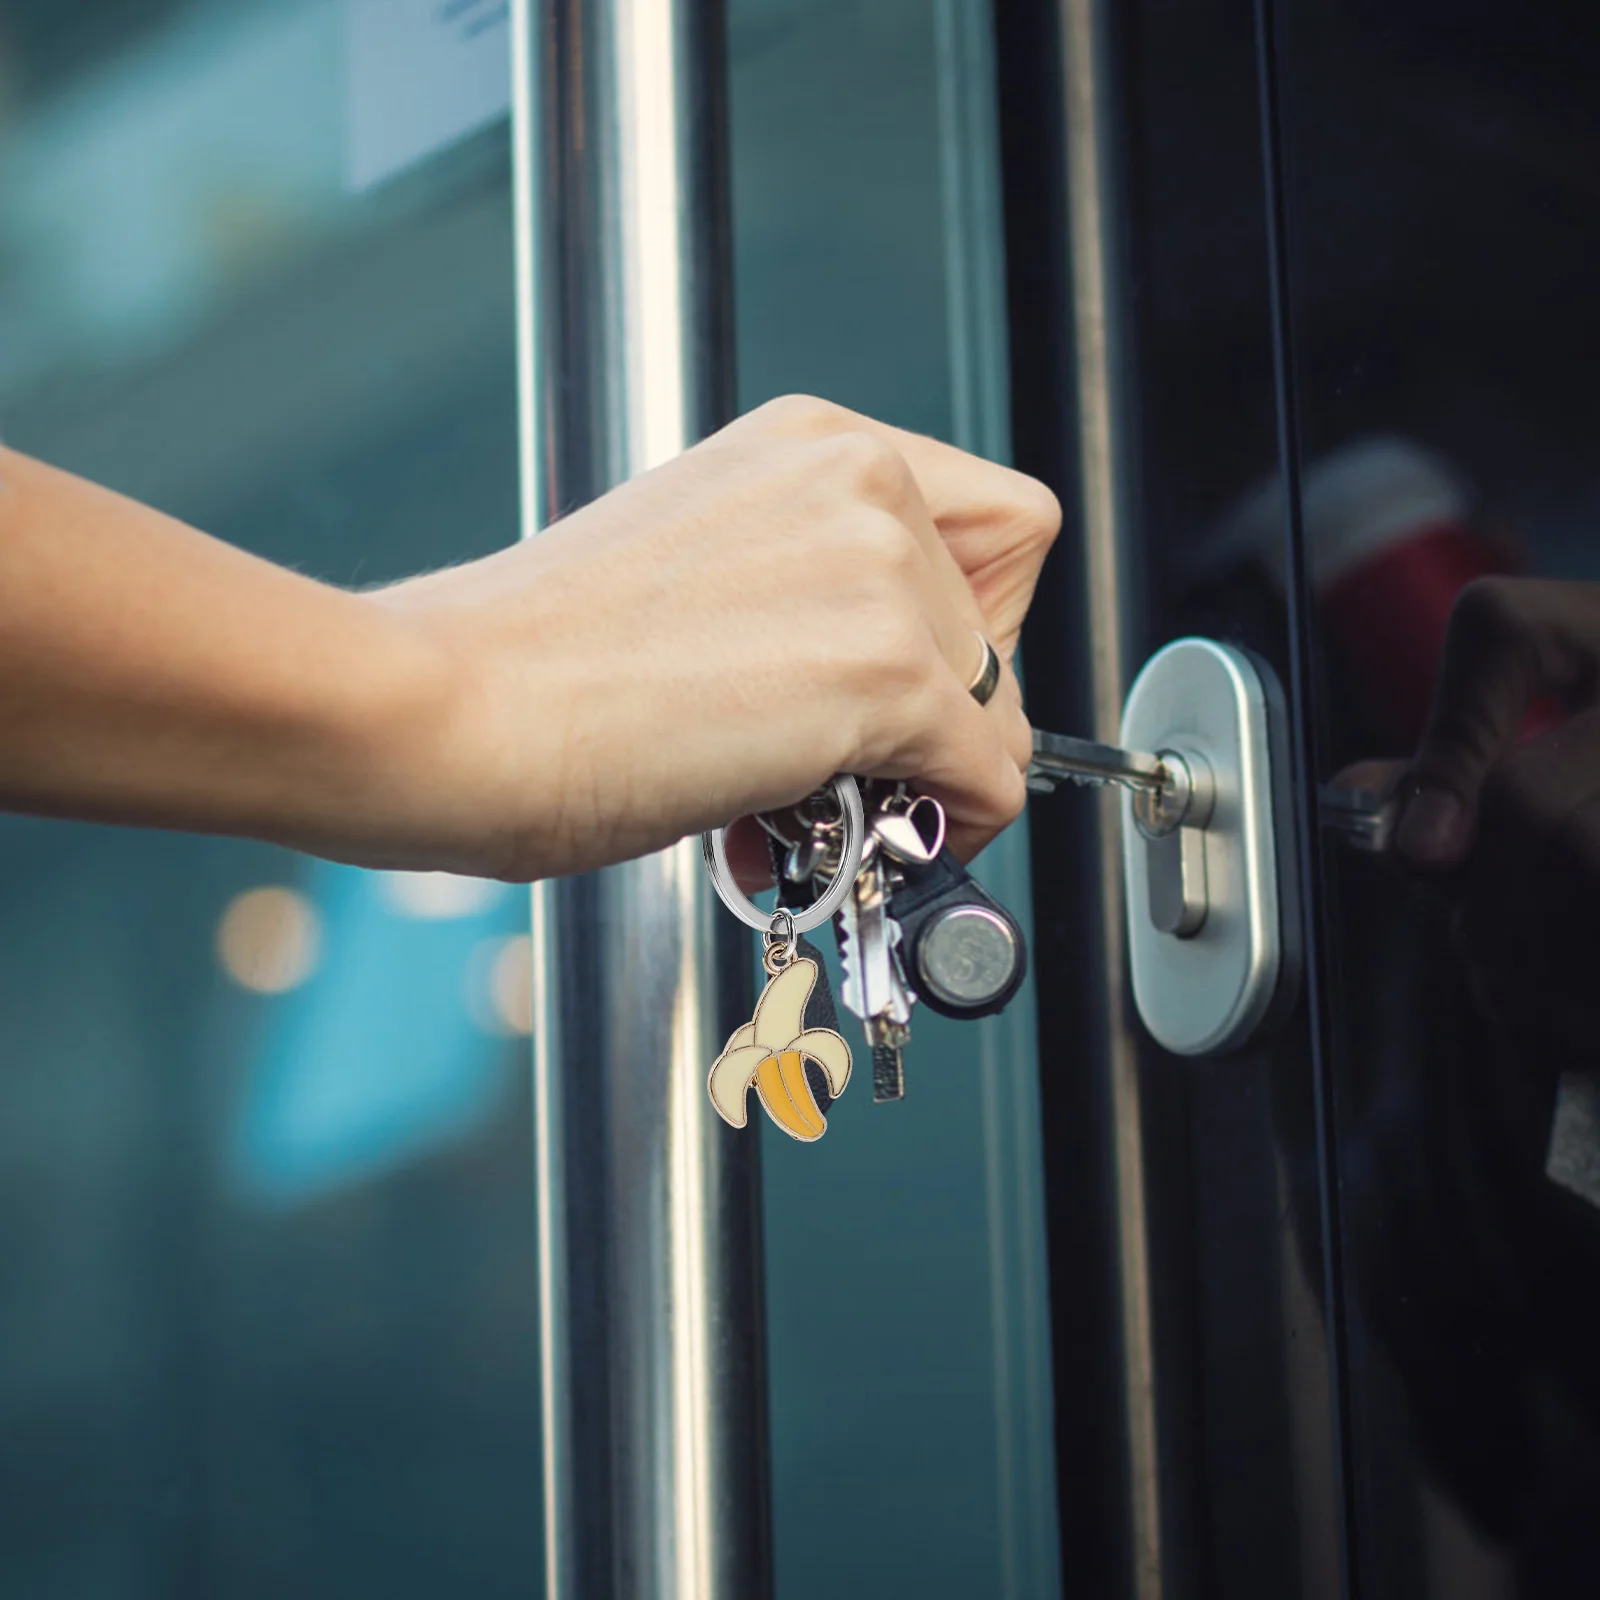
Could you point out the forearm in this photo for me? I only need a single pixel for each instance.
(150, 674)
(659, 662)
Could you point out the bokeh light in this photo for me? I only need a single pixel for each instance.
(269, 938)
(439, 895)
(499, 985)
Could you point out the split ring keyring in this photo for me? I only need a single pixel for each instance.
(715, 848)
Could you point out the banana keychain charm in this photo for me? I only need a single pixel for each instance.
(772, 1049)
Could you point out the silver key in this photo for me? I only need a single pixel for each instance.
(867, 937)
(1365, 821)
(1058, 757)
(886, 998)
(876, 952)
(847, 925)
(888, 1039)
(874, 986)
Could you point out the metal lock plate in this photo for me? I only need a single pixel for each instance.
(1208, 986)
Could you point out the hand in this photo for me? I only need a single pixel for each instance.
(1507, 825)
(796, 596)
(1512, 642)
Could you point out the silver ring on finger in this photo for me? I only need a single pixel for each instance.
(983, 686)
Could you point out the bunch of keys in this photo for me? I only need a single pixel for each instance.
(912, 925)
(916, 926)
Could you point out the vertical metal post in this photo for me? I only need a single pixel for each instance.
(653, 1379)
(1104, 475)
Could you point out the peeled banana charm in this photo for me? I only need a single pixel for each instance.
(771, 1051)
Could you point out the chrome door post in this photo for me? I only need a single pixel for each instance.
(654, 1419)
(1104, 446)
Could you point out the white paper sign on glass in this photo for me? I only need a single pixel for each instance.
(419, 75)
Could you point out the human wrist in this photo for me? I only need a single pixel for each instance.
(365, 768)
(423, 738)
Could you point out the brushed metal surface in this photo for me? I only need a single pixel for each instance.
(1102, 322)
(1208, 992)
(653, 1377)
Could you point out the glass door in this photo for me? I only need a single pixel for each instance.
(1320, 276)
(1439, 249)
(1198, 1441)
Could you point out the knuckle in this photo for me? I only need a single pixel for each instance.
(887, 548)
(800, 415)
(871, 466)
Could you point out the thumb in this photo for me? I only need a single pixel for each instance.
(1509, 642)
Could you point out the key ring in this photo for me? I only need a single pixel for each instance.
(714, 845)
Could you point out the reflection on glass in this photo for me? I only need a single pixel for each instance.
(1442, 255)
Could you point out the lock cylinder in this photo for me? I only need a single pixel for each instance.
(1173, 820)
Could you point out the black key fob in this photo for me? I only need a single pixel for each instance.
(962, 952)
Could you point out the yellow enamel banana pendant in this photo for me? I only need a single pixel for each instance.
(770, 1051)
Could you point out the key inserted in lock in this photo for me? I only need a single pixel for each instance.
(1173, 821)
(1208, 938)
(1211, 941)
(1173, 793)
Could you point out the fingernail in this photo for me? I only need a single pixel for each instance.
(1433, 830)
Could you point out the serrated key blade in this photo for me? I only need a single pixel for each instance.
(847, 930)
